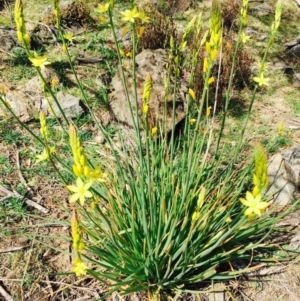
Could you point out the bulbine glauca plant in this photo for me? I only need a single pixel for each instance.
(166, 215)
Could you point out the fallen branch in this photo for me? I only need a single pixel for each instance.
(13, 249)
(26, 200)
(5, 295)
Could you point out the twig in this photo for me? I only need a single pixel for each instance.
(19, 172)
(6, 296)
(27, 201)
(13, 249)
(29, 189)
(4, 198)
(83, 298)
(52, 31)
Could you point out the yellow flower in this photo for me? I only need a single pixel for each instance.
(54, 82)
(103, 8)
(201, 198)
(143, 17)
(81, 191)
(195, 216)
(213, 54)
(141, 31)
(228, 46)
(122, 52)
(39, 61)
(43, 122)
(145, 109)
(147, 89)
(96, 175)
(2, 89)
(102, 20)
(43, 156)
(228, 220)
(64, 48)
(244, 38)
(182, 46)
(261, 80)
(79, 267)
(205, 64)
(192, 121)
(254, 204)
(280, 128)
(154, 130)
(211, 80)
(208, 110)
(130, 15)
(192, 94)
(69, 36)
(27, 38)
(261, 67)
(78, 244)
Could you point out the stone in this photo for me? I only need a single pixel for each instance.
(283, 174)
(293, 47)
(21, 105)
(69, 104)
(260, 10)
(8, 39)
(99, 138)
(151, 62)
(219, 293)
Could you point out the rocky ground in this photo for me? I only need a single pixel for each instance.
(31, 197)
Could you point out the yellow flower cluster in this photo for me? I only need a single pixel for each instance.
(85, 175)
(79, 267)
(80, 168)
(243, 12)
(44, 132)
(36, 60)
(213, 46)
(276, 23)
(260, 79)
(146, 94)
(260, 180)
(133, 14)
(22, 35)
(200, 202)
(78, 244)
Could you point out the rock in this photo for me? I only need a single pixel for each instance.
(69, 104)
(289, 70)
(33, 86)
(295, 241)
(8, 39)
(219, 294)
(283, 173)
(21, 105)
(293, 47)
(260, 10)
(99, 138)
(151, 62)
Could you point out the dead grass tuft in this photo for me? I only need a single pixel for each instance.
(230, 13)
(242, 74)
(73, 14)
(158, 32)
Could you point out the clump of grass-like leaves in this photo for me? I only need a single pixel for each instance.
(169, 214)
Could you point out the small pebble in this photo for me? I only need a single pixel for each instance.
(100, 139)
